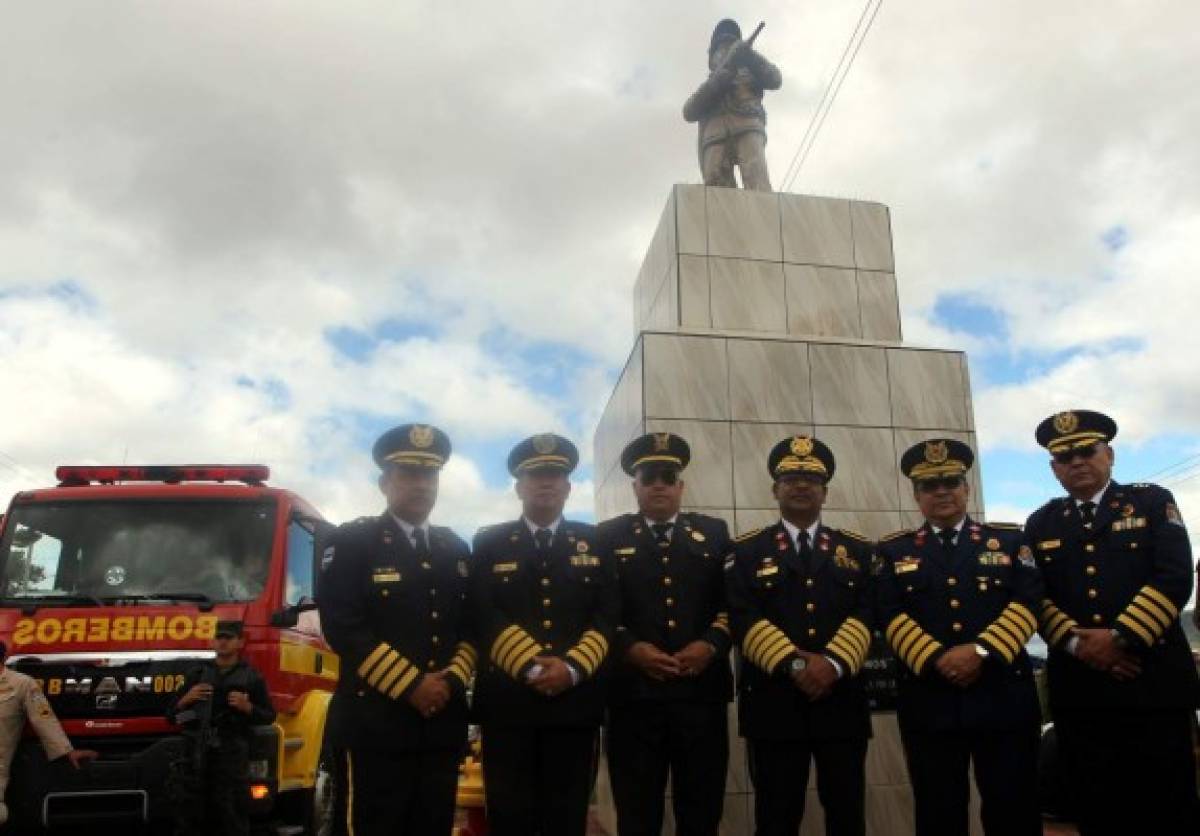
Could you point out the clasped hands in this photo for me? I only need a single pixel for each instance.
(1099, 649)
(661, 666)
(817, 678)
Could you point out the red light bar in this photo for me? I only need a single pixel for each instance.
(251, 474)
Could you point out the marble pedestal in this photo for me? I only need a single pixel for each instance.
(760, 315)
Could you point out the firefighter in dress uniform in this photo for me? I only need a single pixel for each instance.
(1122, 683)
(800, 599)
(671, 681)
(544, 595)
(957, 600)
(391, 597)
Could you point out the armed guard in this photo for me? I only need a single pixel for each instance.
(800, 598)
(545, 596)
(391, 597)
(217, 705)
(958, 600)
(671, 681)
(1122, 683)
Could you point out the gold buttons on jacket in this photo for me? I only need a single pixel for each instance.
(954, 604)
(952, 582)
(545, 581)
(956, 627)
(671, 623)
(434, 615)
(1090, 547)
(670, 602)
(812, 631)
(1097, 618)
(545, 602)
(547, 624)
(809, 583)
(1091, 570)
(435, 640)
(810, 606)
(667, 581)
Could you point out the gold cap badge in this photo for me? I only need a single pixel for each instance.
(802, 445)
(1066, 422)
(544, 443)
(936, 452)
(421, 436)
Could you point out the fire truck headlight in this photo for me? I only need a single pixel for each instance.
(259, 791)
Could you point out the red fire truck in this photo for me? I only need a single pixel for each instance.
(112, 585)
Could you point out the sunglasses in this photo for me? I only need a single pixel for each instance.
(947, 482)
(665, 475)
(1068, 456)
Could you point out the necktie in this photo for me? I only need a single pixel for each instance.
(1087, 513)
(946, 535)
(662, 534)
(420, 544)
(543, 537)
(805, 550)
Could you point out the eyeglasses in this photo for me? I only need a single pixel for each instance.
(1068, 456)
(667, 476)
(947, 482)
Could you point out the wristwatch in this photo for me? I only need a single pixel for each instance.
(982, 651)
(798, 664)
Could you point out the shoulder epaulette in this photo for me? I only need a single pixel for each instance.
(1002, 526)
(741, 538)
(1141, 486)
(897, 534)
(853, 535)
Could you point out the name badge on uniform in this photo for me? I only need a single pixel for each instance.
(585, 560)
(387, 575)
(1046, 545)
(994, 559)
(1129, 523)
(907, 564)
(501, 568)
(626, 550)
(767, 569)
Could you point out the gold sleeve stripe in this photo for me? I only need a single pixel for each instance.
(467, 652)
(1124, 618)
(585, 656)
(595, 640)
(779, 652)
(860, 629)
(1008, 628)
(1152, 609)
(393, 674)
(1056, 625)
(766, 645)
(403, 682)
(897, 622)
(391, 659)
(372, 657)
(845, 653)
(1007, 646)
(1145, 620)
(1020, 629)
(523, 649)
(1166, 602)
(919, 665)
(504, 641)
(756, 636)
(1022, 612)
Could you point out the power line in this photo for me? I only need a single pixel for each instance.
(831, 91)
(825, 95)
(1181, 464)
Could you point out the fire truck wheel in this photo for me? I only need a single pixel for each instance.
(318, 806)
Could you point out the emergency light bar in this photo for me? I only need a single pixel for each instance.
(251, 474)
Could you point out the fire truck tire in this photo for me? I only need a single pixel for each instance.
(319, 801)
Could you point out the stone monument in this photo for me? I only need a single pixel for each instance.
(758, 315)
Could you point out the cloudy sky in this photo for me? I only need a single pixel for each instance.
(267, 231)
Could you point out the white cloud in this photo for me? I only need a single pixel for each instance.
(224, 184)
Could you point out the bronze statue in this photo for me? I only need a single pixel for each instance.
(728, 107)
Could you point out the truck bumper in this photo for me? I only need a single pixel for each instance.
(126, 784)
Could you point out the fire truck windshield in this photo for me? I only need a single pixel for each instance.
(83, 553)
